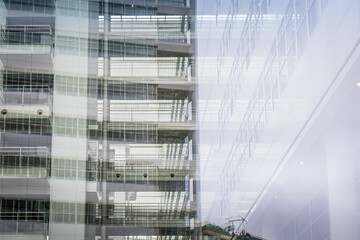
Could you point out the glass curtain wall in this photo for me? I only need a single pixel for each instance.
(98, 119)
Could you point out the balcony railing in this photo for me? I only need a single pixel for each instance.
(144, 174)
(161, 67)
(162, 155)
(24, 222)
(29, 38)
(24, 162)
(172, 28)
(25, 95)
(159, 161)
(156, 111)
(165, 214)
(34, 151)
(178, 3)
(24, 216)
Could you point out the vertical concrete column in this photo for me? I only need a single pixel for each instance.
(106, 119)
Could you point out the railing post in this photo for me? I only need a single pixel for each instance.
(24, 38)
(158, 113)
(22, 97)
(2, 100)
(17, 222)
(189, 73)
(188, 37)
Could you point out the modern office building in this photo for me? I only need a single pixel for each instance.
(98, 119)
(99, 104)
(278, 112)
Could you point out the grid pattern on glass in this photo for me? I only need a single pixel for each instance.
(17, 78)
(181, 3)
(169, 211)
(173, 28)
(24, 210)
(132, 132)
(76, 86)
(160, 67)
(312, 222)
(136, 133)
(73, 45)
(131, 91)
(127, 9)
(251, 31)
(173, 94)
(67, 169)
(26, 35)
(82, 8)
(43, 6)
(127, 49)
(25, 124)
(146, 110)
(69, 126)
(141, 171)
(24, 166)
(271, 84)
(25, 95)
(71, 85)
(131, 214)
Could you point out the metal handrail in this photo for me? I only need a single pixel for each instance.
(24, 214)
(28, 28)
(35, 87)
(26, 35)
(27, 216)
(25, 150)
(25, 89)
(1, 96)
(151, 66)
(180, 3)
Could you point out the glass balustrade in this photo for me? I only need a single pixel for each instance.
(179, 3)
(19, 39)
(24, 162)
(151, 67)
(173, 28)
(25, 95)
(165, 111)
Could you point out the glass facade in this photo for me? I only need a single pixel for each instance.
(278, 93)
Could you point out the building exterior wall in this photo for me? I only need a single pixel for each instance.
(98, 123)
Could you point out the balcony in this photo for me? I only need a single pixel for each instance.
(32, 225)
(161, 155)
(47, 6)
(18, 42)
(147, 214)
(22, 168)
(173, 7)
(161, 68)
(162, 29)
(11, 138)
(142, 167)
(24, 162)
(164, 156)
(34, 99)
(176, 3)
(136, 178)
(168, 114)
